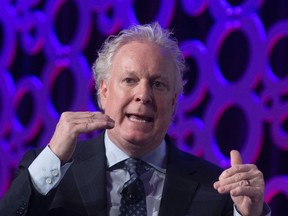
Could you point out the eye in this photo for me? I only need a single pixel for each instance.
(160, 85)
(129, 80)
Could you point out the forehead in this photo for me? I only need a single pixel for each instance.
(143, 55)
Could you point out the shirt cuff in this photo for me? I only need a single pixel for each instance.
(266, 211)
(46, 171)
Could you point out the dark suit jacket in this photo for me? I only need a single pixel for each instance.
(188, 187)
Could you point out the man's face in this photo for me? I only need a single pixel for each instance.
(139, 96)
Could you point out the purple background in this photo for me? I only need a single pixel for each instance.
(236, 96)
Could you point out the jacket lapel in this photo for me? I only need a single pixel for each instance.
(90, 161)
(179, 187)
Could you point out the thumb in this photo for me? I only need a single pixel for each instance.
(235, 157)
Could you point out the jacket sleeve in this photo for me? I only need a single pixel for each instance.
(22, 199)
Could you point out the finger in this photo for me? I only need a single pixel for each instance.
(235, 177)
(89, 126)
(74, 116)
(235, 158)
(216, 185)
(95, 117)
(247, 191)
(227, 187)
(78, 114)
(234, 189)
(84, 117)
(238, 169)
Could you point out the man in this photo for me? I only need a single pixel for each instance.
(138, 79)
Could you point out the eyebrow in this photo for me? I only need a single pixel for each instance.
(155, 76)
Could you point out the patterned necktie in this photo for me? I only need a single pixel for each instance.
(133, 200)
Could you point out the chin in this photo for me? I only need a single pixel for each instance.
(138, 137)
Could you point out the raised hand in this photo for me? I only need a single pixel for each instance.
(70, 126)
(245, 183)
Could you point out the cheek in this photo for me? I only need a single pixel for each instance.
(165, 106)
(116, 102)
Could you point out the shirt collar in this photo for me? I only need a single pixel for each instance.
(156, 158)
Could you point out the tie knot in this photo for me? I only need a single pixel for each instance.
(136, 167)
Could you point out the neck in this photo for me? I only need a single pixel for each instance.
(136, 149)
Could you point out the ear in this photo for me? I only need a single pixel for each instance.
(103, 93)
(174, 101)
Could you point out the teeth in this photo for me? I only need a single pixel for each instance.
(137, 119)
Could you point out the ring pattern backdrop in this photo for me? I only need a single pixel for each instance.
(235, 96)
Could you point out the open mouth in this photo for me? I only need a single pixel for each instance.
(140, 118)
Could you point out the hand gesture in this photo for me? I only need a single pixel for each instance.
(245, 183)
(70, 126)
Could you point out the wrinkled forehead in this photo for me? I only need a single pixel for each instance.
(143, 56)
(146, 51)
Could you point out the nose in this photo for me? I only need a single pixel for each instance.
(144, 93)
